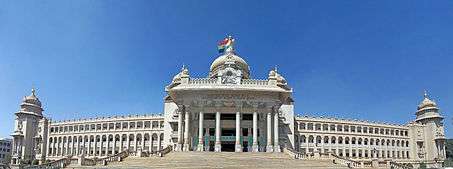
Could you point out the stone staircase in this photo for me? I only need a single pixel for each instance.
(221, 160)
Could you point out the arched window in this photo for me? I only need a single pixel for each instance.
(310, 139)
(326, 139)
(303, 139)
(333, 140)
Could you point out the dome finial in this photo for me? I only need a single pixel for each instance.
(183, 66)
(33, 91)
(275, 68)
(425, 94)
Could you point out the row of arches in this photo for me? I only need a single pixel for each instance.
(362, 153)
(351, 128)
(353, 140)
(103, 145)
(108, 126)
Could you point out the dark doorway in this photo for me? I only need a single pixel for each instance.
(245, 146)
(228, 146)
(228, 132)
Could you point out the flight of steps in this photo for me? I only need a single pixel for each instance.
(221, 160)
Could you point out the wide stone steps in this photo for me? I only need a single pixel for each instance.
(221, 160)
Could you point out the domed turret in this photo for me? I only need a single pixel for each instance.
(229, 59)
(427, 109)
(32, 99)
(31, 104)
(426, 103)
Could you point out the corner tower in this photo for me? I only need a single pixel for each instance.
(428, 133)
(29, 131)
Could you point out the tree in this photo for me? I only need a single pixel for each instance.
(449, 153)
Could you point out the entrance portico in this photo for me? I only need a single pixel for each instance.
(229, 131)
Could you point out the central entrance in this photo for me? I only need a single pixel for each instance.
(228, 139)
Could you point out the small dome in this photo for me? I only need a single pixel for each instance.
(426, 103)
(32, 99)
(230, 57)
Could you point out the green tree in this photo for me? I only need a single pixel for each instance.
(449, 153)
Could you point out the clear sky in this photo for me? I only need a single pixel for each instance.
(353, 59)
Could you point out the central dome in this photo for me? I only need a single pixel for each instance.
(226, 58)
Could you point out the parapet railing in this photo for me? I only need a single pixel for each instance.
(105, 160)
(164, 151)
(396, 165)
(202, 81)
(210, 81)
(346, 161)
(57, 164)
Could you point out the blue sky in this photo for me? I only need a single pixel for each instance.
(352, 59)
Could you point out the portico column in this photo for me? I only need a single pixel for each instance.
(186, 131)
(200, 132)
(158, 142)
(95, 147)
(206, 147)
(217, 146)
(179, 145)
(269, 147)
(255, 132)
(276, 143)
(238, 132)
(121, 143)
(114, 144)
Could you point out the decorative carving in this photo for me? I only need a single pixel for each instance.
(230, 75)
(229, 96)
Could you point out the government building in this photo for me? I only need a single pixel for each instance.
(227, 111)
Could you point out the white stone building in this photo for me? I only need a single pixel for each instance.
(5, 150)
(229, 111)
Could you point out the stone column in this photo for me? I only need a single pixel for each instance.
(186, 131)
(269, 147)
(217, 146)
(158, 142)
(276, 134)
(255, 132)
(206, 147)
(200, 132)
(121, 143)
(238, 145)
(143, 141)
(114, 144)
(95, 146)
(128, 142)
(150, 145)
(179, 145)
(136, 143)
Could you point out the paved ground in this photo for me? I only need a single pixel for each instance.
(227, 160)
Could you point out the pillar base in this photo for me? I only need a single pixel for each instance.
(255, 148)
(238, 148)
(269, 148)
(178, 147)
(218, 148)
(277, 149)
(185, 147)
(200, 147)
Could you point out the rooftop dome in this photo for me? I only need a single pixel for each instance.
(426, 102)
(230, 57)
(32, 99)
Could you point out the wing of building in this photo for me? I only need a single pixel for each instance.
(228, 111)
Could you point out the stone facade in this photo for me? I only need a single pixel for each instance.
(5, 150)
(228, 111)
